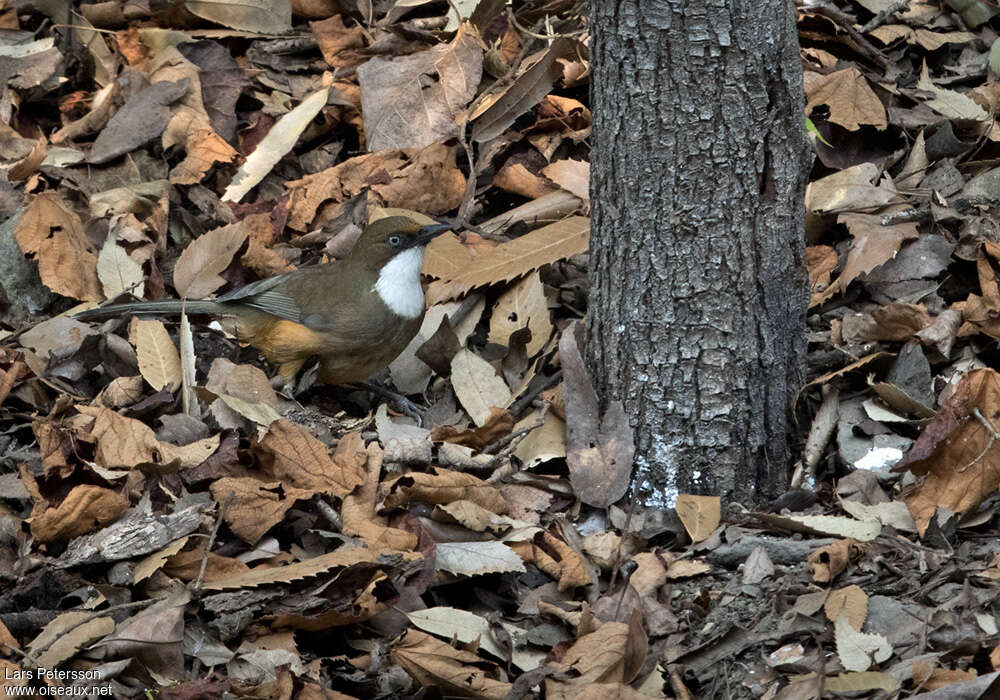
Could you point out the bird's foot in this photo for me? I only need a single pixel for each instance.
(399, 402)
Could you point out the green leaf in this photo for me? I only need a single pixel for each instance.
(811, 128)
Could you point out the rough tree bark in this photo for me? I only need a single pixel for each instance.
(698, 285)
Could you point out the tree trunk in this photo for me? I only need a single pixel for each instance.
(698, 285)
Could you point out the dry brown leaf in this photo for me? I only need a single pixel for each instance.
(433, 663)
(599, 449)
(261, 16)
(460, 272)
(186, 566)
(499, 424)
(86, 508)
(159, 361)
(572, 175)
(956, 454)
(492, 114)
(849, 190)
(54, 235)
(341, 46)
(121, 442)
(851, 100)
(522, 306)
(402, 108)
(422, 179)
(66, 635)
(541, 444)
(556, 558)
(196, 274)
(255, 506)
(517, 179)
(295, 457)
(360, 518)
(850, 601)
(613, 653)
(264, 575)
(650, 572)
(440, 486)
(827, 562)
(204, 148)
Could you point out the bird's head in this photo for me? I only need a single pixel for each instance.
(387, 238)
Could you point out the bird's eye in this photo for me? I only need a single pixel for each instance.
(395, 241)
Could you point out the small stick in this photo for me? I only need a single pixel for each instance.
(211, 541)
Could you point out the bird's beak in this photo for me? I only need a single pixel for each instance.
(427, 233)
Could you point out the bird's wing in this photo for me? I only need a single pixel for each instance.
(270, 296)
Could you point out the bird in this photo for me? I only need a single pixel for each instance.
(356, 314)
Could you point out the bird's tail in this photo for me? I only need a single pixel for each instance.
(151, 308)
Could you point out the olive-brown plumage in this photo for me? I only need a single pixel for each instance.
(356, 314)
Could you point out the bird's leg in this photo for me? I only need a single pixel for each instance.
(288, 370)
(400, 402)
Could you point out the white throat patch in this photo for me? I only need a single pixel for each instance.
(399, 283)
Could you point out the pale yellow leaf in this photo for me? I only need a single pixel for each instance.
(699, 514)
(279, 141)
(522, 306)
(159, 361)
(477, 385)
(117, 271)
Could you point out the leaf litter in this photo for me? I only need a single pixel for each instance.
(171, 522)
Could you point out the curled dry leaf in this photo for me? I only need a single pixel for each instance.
(84, 509)
(433, 663)
(441, 486)
(494, 113)
(555, 558)
(360, 518)
(827, 562)
(956, 455)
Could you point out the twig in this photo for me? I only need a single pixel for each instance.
(211, 541)
(640, 482)
(884, 14)
(521, 405)
(332, 516)
(508, 439)
(989, 443)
